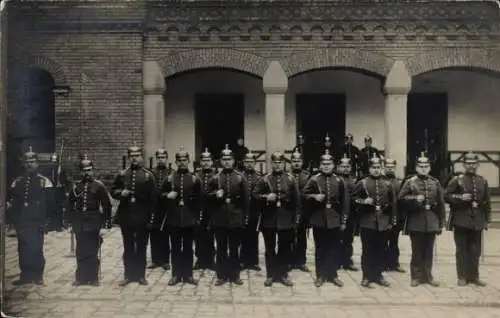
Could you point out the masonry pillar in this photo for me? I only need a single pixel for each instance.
(396, 89)
(154, 119)
(275, 84)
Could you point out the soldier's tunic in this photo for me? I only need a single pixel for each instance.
(228, 220)
(86, 220)
(392, 244)
(183, 215)
(205, 238)
(326, 218)
(423, 222)
(468, 219)
(135, 214)
(365, 155)
(347, 236)
(299, 243)
(374, 220)
(160, 242)
(250, 242)
(30, 198)
(278, 220)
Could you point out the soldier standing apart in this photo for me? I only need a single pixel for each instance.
(392, 244)
(160, 240)
(205, 239)
(347, 237)
(376, 201)
(229, 190)
(470, 214)
(329, 197)
(424, 209)
(184, 194)
(250, 242)
(280, 198)
(86, 199)
(136, 190)
(28, 200)
(299, 243)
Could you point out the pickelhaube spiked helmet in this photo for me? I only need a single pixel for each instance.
(328, 140)
(226, 152)
(374, 160)
(53, 157)
(423, 160)
(277, 156)
(345, 160)
(249, 156)
(471, 157)
(134, 149)
(326, 156)
(389, 162)
(206, 155)
(30, 154)
(86, 162)
(349, 136)
(368, 138)
(296, 155)
(160, 152)
(181, 154)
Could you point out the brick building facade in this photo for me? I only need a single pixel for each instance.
(414, 74)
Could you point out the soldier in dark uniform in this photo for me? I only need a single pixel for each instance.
(392, 244)
(376, 200)
(28, 200)
(365, 155)
(135, 188)
(205, 239)
(250, 242)
(184, 193)
(229, 192)
(86, 199)
(423, 200)
(299, 243)
(279, 195)
(347, 237)
(160, 240)
(328, 210)
(351, 151)
(470, 214)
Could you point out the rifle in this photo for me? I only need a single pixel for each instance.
(59, 164)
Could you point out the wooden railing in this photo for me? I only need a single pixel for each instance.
(489, 168)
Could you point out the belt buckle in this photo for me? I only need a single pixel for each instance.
(228, 200)
(475, 205)
(278, 204)
(84, 209)
(181, 203)
(427, 207)
(328, 205)
(378, 208)
(132, 199)
(26, 204)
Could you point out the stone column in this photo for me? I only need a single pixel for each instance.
(154, 119)
(275, 84)
(396, 88)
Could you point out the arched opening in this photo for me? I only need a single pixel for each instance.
(454, 110)
(211, 107)
(31, 114)
(334, 101)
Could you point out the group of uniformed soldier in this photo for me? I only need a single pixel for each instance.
(222, 213)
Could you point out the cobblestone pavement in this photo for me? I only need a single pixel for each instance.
(59, 299)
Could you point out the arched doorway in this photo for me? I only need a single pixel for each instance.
(31, 115)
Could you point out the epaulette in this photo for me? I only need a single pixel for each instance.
(315, 176)
(413, 178)
(147, 173)
(16, 180)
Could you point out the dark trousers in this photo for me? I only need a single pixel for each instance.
(228, 250)
(160, 247)
(468, 252)
(135, 242)
(392, 248)
(327, 242)
(250, 244)
(372, 253)
(345, 247)
(182, 239)
(205, 246)
(30, 241)
(277, 259)
(422, 255)
(87, 255)
(299, 246)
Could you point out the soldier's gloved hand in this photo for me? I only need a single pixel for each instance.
(9, 205)
(466, 197)
(368, 201)
(319, 197)
(172, 195)
(219, 193)
(343, 227)
(125, 193)
(420, 198)
(271, 197)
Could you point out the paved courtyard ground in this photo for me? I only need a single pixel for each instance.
(60, 299)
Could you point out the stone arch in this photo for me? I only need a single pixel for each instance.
(213, 58)
(454, 57)
(58, 72)
(337, 57)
